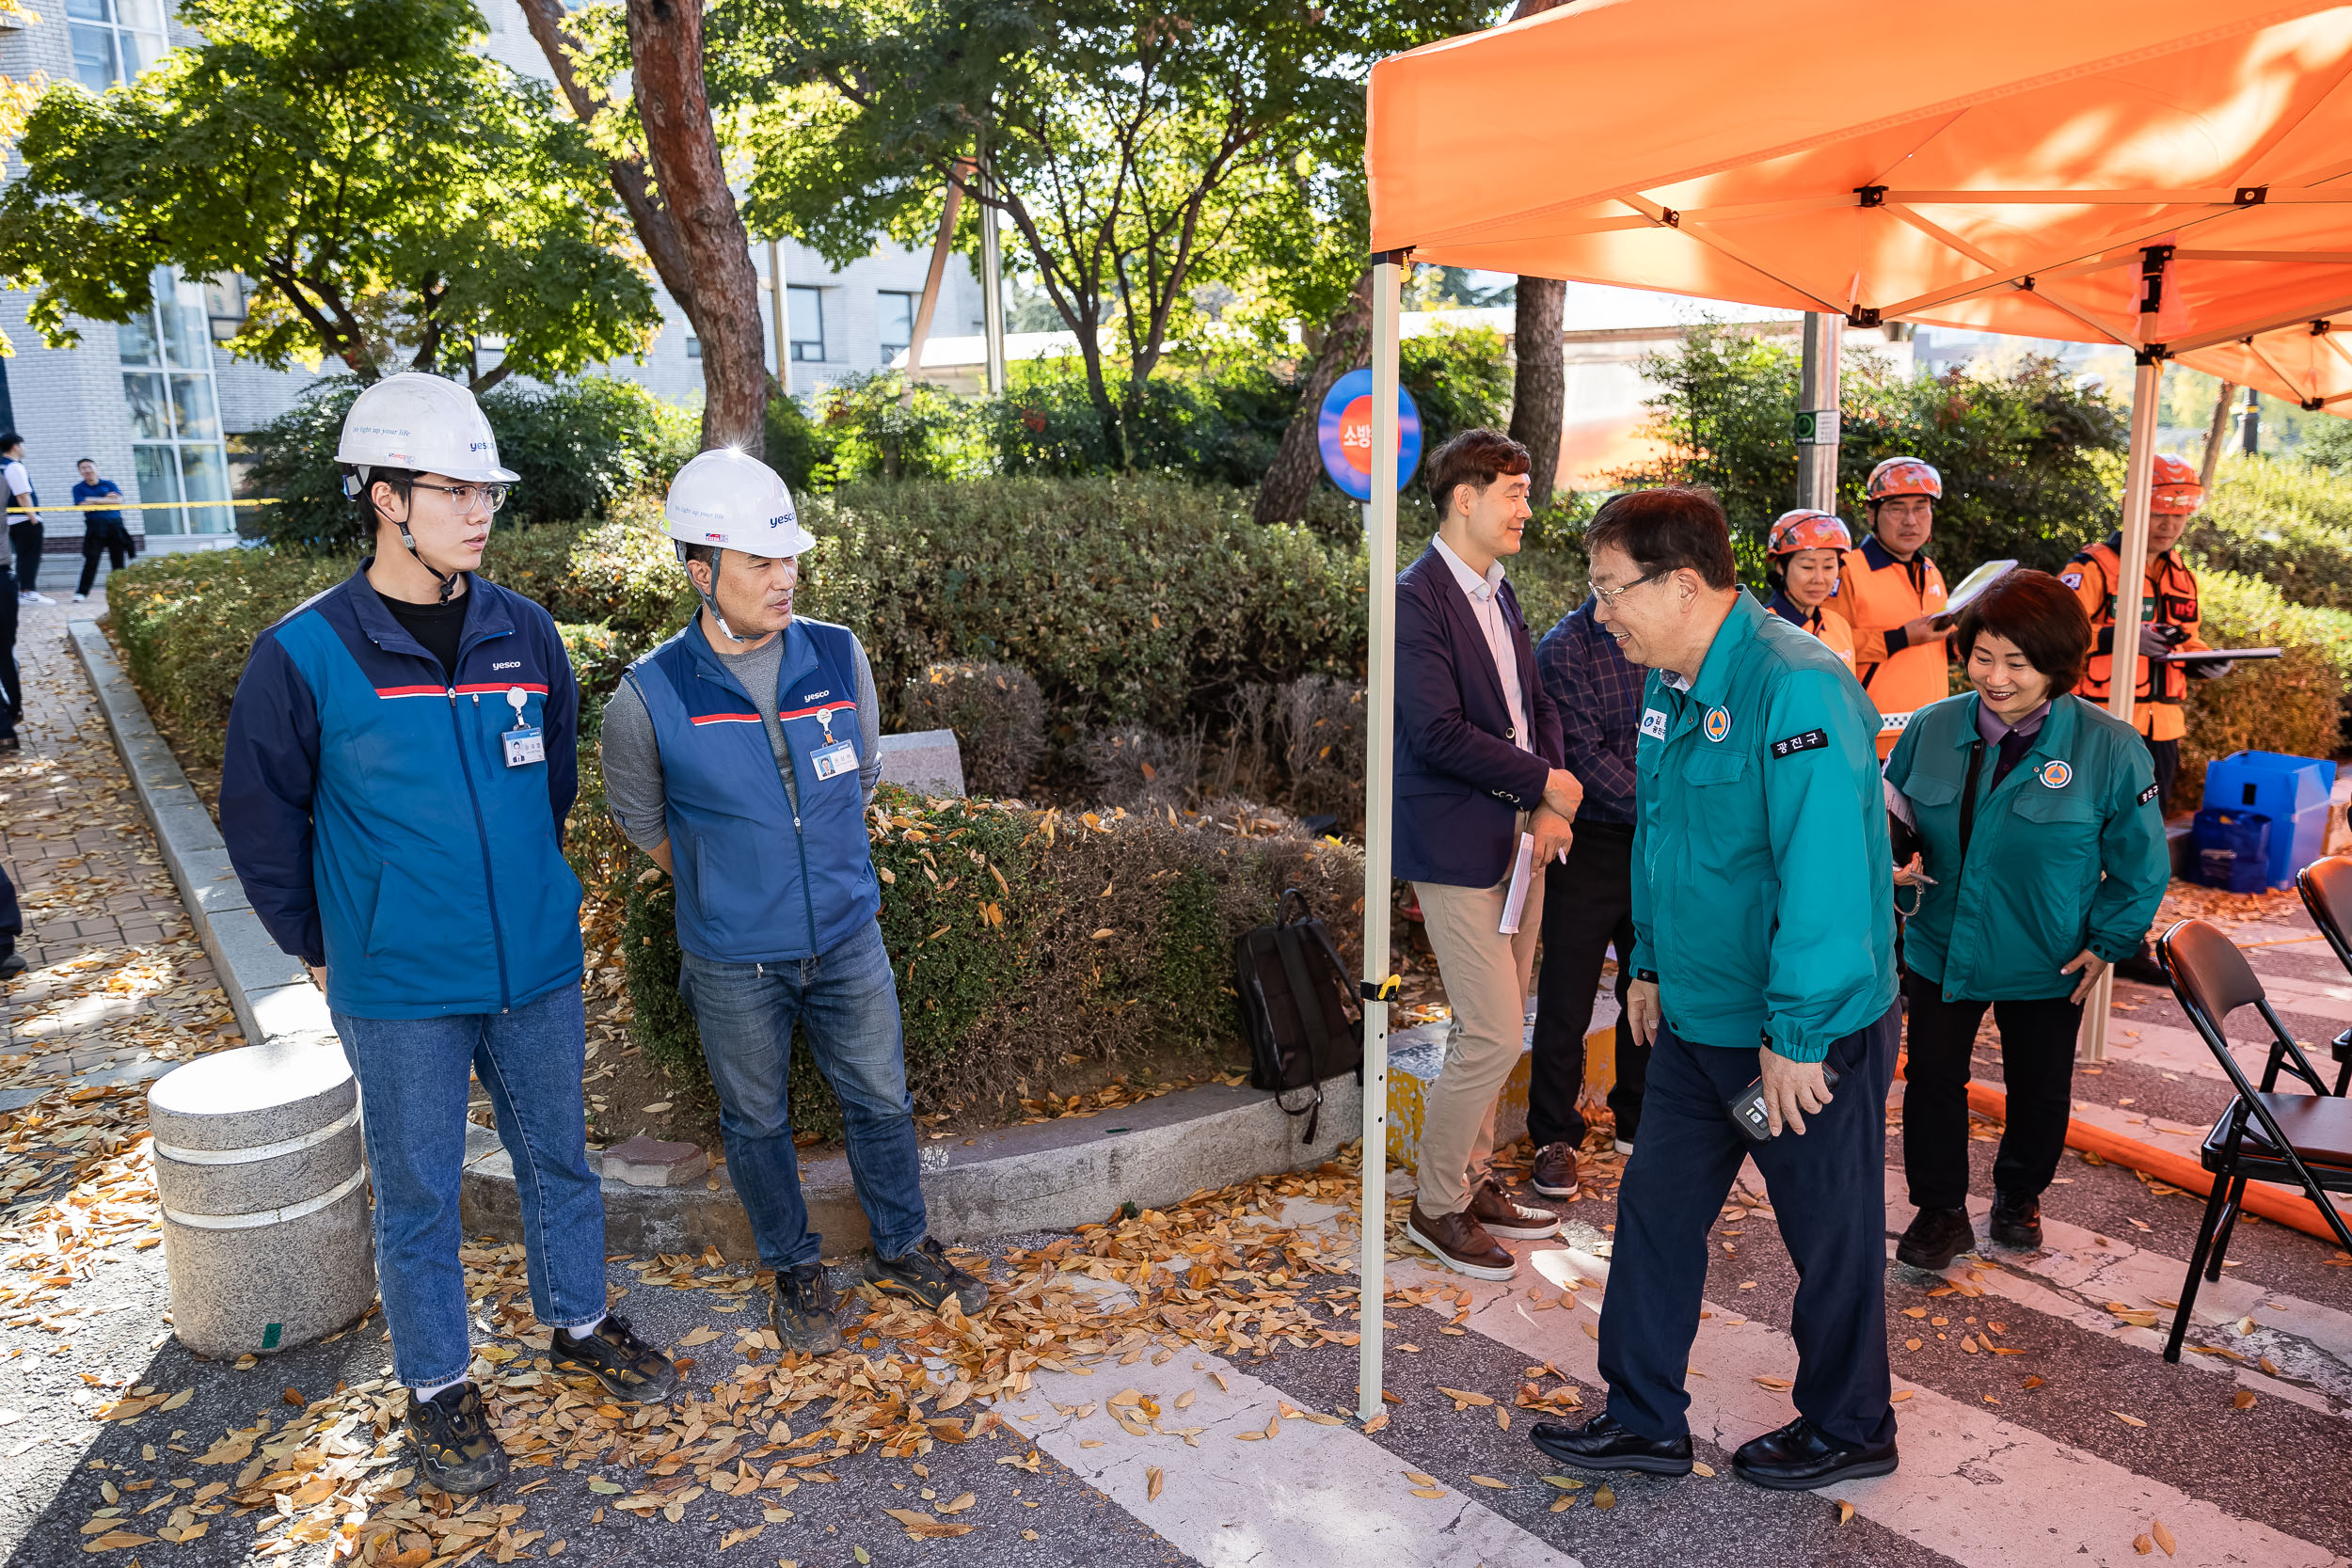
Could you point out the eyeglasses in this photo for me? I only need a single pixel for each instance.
(1608, 596)
(463, 495)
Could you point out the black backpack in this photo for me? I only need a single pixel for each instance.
(1298, 1007)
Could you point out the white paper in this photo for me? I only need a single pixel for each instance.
(1523, 871)
(1977, 582)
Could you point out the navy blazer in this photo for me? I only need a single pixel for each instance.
(1461, 779)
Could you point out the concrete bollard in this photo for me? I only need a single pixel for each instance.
(263, 1182)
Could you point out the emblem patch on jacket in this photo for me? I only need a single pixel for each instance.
(2056, 774)
(1717, 724)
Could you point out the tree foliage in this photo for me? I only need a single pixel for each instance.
(391, 192)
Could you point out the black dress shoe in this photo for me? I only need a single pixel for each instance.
(2016, 1221)
(1936, 1236)
(1602, 1444)
(1800, 1456)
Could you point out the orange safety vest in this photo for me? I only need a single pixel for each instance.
(2169, 591)
(1823, 623)
(1875, 594)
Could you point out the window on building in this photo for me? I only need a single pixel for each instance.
(806, 318)
(225, 300)
(895, 309)
(693, 346)
(114, 40)
(175, 449)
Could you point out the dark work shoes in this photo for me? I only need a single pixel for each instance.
(450, 1434)
(1935, 1238)
(1461, 1244)
(2017, 1221)
(2142, 969)
(1555, 1170)
(1800, 1456)
(1602, 1444)
(926, 1275)
(1502, 1215)
(628, 1367)
(802, 1311)
(11, 965)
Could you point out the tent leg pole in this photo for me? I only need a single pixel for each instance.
(2147, 384)
(1380, 780)
(1818, 396)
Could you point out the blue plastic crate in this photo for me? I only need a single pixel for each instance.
(2293, 792)
(2232, 849)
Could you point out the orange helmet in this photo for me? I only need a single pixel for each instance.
(2174, 488)
(1808, 530)
(1904, 476)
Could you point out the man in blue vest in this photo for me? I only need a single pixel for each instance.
(740, 756)
(400, 762)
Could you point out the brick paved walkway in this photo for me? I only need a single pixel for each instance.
(114, 965)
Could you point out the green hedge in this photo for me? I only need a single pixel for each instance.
(2294, 703)
(1024, 938)
(2289, 523)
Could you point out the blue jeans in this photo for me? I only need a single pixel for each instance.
(413, 1075)
(848, 1001)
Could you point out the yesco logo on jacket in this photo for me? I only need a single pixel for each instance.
(374, 816)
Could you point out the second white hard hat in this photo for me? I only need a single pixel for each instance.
(733, 500)
(425, 423)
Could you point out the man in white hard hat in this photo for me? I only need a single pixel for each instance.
(400, 762)
(740, 756)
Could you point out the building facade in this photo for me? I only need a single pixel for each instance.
(159, 406)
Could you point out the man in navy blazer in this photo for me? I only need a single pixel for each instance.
(1478, 764)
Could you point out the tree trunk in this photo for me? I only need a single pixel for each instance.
(1346, 342)
(2216, 432)
(1539, 392)
(665, 51)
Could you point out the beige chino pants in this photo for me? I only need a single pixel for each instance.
(1486, 975)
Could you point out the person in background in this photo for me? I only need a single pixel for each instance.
(1588, 902)
(1892, 595)
(1764, 939)
(2165, 621)
(1478, 768)
(1802, 555)
(25, 526)
(11, 680)
(11, 927)
(103, 533)
(401, 758)
(740, 754)
(2040, 860)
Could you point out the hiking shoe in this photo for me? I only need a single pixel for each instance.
(450, 1434)
(11, 966)
(1936, 1236)
(926, 1275)
(1503, 1215)
(1555, 1170)
(628, 1367)
(2016, 1221)
(802, 1309)
(1460, 1242)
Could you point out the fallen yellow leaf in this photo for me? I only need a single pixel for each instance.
(1151, 1485)
(1490, 1481)
(2164, 1537)
(2127, 1420)
(1845, 1511)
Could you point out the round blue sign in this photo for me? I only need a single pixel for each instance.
(1345, 435)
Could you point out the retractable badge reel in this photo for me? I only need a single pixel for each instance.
(835, 757)
(525, 745)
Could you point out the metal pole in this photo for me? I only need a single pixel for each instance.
(991, 289)
(1818, 412)
(783, 332)
(2147, 381)
(1379, 786)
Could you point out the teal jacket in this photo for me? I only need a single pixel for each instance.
(1762, 900)
(2067, 853)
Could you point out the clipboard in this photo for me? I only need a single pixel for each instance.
(2212, 656)
(1973, 586)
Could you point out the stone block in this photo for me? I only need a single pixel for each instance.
(1415, 1056)
(927, 762)
(643, 1162)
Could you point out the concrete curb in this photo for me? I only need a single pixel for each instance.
(272, 995)
(1048, 1176)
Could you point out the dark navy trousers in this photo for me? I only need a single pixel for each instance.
(1828, 1191)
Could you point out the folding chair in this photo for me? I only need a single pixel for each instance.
(2262, 1136)
(2326, 889)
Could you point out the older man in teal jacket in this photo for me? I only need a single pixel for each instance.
(1763, 963)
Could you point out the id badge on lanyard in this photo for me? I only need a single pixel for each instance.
(835, 757)
(525, 743)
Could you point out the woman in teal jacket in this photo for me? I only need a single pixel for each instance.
(2036, 859)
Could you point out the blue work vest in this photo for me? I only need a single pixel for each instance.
(757, 883)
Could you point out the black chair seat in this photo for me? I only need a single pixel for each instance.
(2319, 1126)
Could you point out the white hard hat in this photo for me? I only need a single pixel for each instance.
(425, 423)
(733, 500)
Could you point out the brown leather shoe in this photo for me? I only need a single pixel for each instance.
(1504, 1216)
(1461, 1244)
(1555, 1170)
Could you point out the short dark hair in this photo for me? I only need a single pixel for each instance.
(2036, 611)
(707, 554)
(1665, 530)
(10, 442)
(91, 461)
(364, 497)
(1476, 456)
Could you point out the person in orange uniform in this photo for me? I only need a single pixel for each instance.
(1892, 595)
(2166, 623)
(1802, 555)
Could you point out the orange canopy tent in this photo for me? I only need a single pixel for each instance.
(2167, 175)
